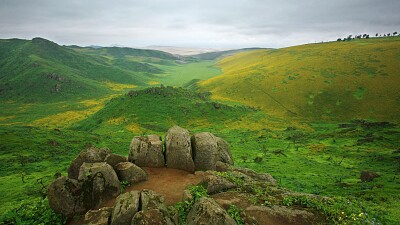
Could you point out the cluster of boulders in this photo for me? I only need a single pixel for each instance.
(93, 177)
(200, 151)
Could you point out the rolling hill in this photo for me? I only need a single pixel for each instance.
(328, 81)
(41, 70)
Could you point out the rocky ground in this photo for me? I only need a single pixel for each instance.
(192, 181)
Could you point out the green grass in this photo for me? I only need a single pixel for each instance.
(361, 74)
(40, 138)
(181, 74)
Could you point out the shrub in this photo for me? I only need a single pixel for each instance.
(33, 212)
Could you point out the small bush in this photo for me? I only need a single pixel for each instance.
(234, 212)
(31, 213)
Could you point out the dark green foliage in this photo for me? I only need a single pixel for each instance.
(234, 212)
(31, 213)
(184, 208)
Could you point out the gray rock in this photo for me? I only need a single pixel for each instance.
(279, 215)
(207, 211)
(64, 196)
(100, 183)
(127, 205)
(114, 159)
(224, 154)
(147, 151)
(205, 151)
(264, 177)
(90, 155)
(178, 149)
(222, 167)
(151, 217)
(98, 217)
(128, 171)
(215, 184)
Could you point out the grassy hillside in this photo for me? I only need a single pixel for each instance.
(40, 70)
(327, 81)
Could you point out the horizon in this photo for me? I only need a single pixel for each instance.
(206, 24)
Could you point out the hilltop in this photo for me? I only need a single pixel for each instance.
(327, 81)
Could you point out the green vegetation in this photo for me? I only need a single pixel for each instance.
(35, 212)
(234, 212)
(336, 81)
(184, 208)
(314, 125)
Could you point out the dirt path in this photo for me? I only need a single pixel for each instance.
(165, 181)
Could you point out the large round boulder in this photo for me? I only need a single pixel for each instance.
(90, 155)
(64, 195)
(207, 211)
(205, 151)
(178, 149)
(129, 172)
(99, 183)
(147, 151)
(114, 159)
(127, 205)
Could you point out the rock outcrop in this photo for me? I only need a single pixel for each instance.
(147, 151)
(99, 183)
(64, 196)
(90, 155)
(129, 172)
(98, 217)
(95, 176)
(207, 211)
(205, 151)
(127, 205)
(178, 150)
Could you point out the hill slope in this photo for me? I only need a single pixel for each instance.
(328, 81)
(41, 70)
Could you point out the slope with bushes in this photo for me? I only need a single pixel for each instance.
(328, 81)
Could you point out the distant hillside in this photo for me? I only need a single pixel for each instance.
(41, 70)
(327, 81)
(219, 54)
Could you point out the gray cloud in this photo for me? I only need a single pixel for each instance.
(206, 23)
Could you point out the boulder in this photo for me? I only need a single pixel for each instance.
(207, 211)
(215, 184)
(222, 167)
(152, 200)
(224, 154)
(127, 205)
(128, 171)
(99, 183)
(64, 196)
(151, 217)
(90, 155)
(98, 217)
(368, 176)
(178, 149)
(114, 159)
(279, 215)
(205, 151)
(264, 177)
(147, 151)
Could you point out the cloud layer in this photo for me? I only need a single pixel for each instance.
(205, 23)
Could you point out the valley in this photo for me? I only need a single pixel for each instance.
(313, 116)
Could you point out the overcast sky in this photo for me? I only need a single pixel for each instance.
(196, 23)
